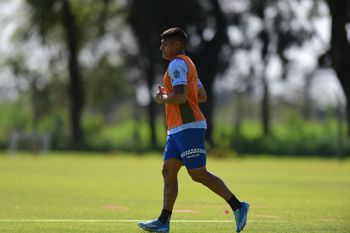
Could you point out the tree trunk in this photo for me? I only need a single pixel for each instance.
(307, 108)
(208, 69)
(340, 48)
(347, 109)
(265, 101)
(75, 89)
(136, 131)
(208, 112)
(151, 108)
(265, 107)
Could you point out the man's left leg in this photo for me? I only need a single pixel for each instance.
(215, 184)
(191, 143)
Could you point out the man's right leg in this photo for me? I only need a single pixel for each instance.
(170, 170)
(214, 183)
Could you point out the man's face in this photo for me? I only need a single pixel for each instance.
(169, 48)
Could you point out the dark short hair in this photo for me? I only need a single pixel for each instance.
(175, 33)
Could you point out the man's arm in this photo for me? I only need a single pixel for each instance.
(202, 95)
(178, 96)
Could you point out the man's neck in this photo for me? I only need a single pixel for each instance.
(175, 56)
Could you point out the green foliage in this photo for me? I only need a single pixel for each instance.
(295, 137)
(45, 18)
(126, 135)
(10, 121)
(57, 124)
(106, 85)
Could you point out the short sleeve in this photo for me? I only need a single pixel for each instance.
(178, 72)
(200, 85)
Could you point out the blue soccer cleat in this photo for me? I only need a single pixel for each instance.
(154, 226)
(241, 216)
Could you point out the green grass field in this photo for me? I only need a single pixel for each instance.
(109, 193)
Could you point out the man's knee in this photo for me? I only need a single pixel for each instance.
(165, 172)
(169, 173)
(198, 176)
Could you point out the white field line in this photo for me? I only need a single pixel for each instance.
(131, 220)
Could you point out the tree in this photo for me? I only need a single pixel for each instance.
(76, 90)
(212, 59)
(48, 17)
(265, 38)
(67, 24)
(340, 47)
(276, 34)
(38, 96)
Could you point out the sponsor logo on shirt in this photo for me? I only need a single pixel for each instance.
(176, 74)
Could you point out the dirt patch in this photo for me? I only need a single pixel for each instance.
(184, 211)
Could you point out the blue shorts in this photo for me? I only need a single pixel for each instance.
(188, 146)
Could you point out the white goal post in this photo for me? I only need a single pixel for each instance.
(38, 143)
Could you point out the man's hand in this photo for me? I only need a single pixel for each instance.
(159, 95)
(178, 96)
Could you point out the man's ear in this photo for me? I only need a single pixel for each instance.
(178, 45)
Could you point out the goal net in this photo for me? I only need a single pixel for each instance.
(38, 143)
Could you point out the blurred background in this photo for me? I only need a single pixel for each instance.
(79, 75)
